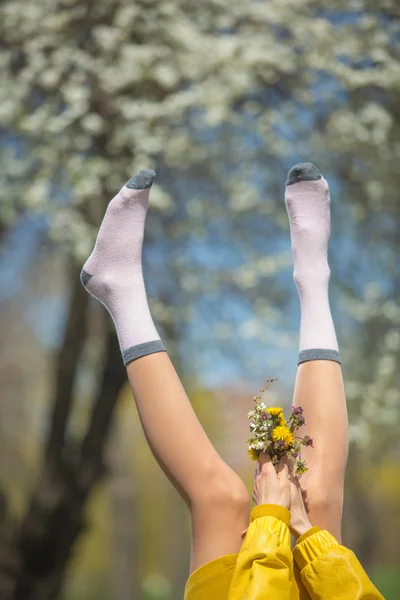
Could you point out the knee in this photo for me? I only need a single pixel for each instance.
(325, 509)
(224, 492)
(323, 491)
(331, 497)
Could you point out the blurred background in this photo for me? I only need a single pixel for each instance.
(221, 99)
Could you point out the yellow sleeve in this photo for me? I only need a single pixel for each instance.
(264, 563)
(329, 570)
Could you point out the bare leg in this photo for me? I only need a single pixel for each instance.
(216, 496)
(319, 390)
(319, 386)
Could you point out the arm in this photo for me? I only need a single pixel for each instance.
(329, 570)
(264, 564)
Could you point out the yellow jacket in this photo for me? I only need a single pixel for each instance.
(266, 569)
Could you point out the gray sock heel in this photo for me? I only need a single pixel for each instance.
(85, 277)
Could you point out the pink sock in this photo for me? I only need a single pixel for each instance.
(308, 206)
(113, 272)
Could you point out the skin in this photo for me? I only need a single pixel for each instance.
(319, 390)
(217, 498)
(282, 487)
(271, 486)
(299, 521)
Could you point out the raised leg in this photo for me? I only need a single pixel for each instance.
(319, 386)
(217, 498)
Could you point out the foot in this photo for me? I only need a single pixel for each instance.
(308, 206)
(113, 272)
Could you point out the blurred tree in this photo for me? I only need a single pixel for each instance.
(124, 519)
(92, 91)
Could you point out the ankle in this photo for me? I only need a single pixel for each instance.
(106, 285)
(311, 277)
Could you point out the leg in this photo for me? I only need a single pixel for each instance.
(217, 498)
(319, 384)
(319, 390)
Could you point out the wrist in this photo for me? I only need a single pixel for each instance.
(298, 528)
(271, 510)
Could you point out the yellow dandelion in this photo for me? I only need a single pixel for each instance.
(282, 420)
(275, 410)
(282, 432)
(253, 454)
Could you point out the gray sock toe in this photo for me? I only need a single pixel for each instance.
(85, 277)
(303, 172)
(143, 180)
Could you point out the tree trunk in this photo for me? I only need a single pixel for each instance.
(9, 556)
(125, 582)
(34, 557)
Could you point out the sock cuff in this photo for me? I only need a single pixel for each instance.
(319, 354)
(140, 350)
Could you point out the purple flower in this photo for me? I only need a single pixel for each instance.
(308, 441)
(297, 410)
(264, 415)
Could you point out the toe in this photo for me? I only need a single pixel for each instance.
(303, 172)
(142, 181)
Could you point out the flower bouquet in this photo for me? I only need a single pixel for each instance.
(271, 432)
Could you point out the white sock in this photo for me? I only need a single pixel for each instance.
(113, 272)
(308, 206)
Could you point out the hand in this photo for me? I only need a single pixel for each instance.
(271, 486)
(299, 521)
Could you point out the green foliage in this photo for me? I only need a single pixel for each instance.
(156, 587)
(387, 580)
(90, 589)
